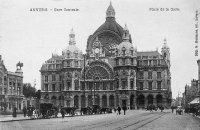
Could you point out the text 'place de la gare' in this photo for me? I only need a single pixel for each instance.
(112, 72)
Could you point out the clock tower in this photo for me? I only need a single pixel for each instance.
(97, 50)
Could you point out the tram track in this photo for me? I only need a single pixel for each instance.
(105, 123)
(141, 120)
(140, 123)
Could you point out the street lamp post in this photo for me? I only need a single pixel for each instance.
(84, 55)
(94, 93)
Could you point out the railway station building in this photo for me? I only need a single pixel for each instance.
(111, 73)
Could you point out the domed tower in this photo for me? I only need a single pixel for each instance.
(71, 64)
(125, 69)
(166, 52)
(110, 34)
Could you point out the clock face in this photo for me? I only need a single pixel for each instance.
(96, 50)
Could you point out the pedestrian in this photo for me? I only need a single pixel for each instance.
(24, 111)
(124, 108)
(14, 111)
(172, 109)
(119, 110)
(62, 112)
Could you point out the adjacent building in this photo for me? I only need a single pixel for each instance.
(111, 73)
(11, 87)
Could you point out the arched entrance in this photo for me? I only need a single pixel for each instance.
(97, 100)
(53, 100)
(111, 101)
(132, 102)
(89, 100)
(159, 100)
(141, 101)
(61, 100)
(150, 99)
(104, 101)
(76, 101)
(82, 101)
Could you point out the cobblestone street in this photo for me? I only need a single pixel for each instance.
(134, 119)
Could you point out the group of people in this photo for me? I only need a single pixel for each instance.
(118, 109)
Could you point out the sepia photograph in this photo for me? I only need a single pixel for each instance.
(99, 65)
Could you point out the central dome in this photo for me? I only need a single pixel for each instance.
(110, 33)
(110, 25)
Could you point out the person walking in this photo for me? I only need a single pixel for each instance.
(62, 112)
(172, 107)
(119, 110)
(124, 108)
(14, 111)
(24, 111)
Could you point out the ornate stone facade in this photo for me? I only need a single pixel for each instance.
(11, 88)
(111, 73)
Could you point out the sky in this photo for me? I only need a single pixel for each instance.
(32, 36)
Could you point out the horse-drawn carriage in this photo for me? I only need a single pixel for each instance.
(48, 110)
(152, 107)
(69, 110)
(105, 110)
(94, 109)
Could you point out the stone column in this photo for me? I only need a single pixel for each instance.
(86, 100)
(154, 101)
(100, 98)
(79, 101)
(128, 102)
(135, 102)
(108, 102)
(134, 87)
(72, 84)
(146, 101)
(128, 82)
(72, 102)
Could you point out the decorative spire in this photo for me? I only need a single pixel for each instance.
(165, 41)
(110, 11)
(165, 44)
(126, 34)
(72, 38)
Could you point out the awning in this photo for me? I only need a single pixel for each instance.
(195, 101)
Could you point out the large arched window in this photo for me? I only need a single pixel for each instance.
(76, 101)
(76, 85)
(111, 101)
(104, 101)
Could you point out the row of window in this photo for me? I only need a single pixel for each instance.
(91, 86)
(69, 63)
(125, 61)
(68, 54)
(141, 75)
(11, 90)
(146, 57)
(141, 85)
(124, 52)
(53, 77)
(102, 86)
(150, 62)
(53, 66)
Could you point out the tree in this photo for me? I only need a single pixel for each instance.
(38, 94)
(28, 90)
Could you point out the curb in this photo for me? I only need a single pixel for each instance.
(49, 118)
